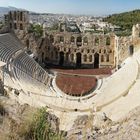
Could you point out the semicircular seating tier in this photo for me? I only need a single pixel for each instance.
(119, 84)
(21, 68)
(119, 108)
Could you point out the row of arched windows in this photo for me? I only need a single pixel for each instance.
(103, 58)
(15, 26)
(79, 40)
(16, 15)
(85, 57)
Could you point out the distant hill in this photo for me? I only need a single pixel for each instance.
(125, 20)
(5, 10)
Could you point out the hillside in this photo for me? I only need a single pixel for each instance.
(125, 20)
(5, 10)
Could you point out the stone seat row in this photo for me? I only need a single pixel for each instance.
(22, 71)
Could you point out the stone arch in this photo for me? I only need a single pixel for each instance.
(109, 51)
(97, 41)
(67, 57)
(96, 60)
(56, 54)
(131, 49)
(108, 41)
(21, 26)
(72, 39)
(72, 57)
(102, 58)
(85, 57)
(107, 57)
(88, 50)
(79, 41)
(82, 50)
(78, 59)
(90, 58)
(85, 41)
(61, 58)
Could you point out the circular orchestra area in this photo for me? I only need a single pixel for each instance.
(79, 82)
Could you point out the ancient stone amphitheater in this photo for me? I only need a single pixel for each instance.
(28, 82)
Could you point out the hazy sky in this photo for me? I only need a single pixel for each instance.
(92, 7)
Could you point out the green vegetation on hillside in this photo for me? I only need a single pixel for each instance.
(39, 128)
(36, 29)
(124, 20)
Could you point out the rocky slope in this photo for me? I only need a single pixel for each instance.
(16, 120)
(102, 128)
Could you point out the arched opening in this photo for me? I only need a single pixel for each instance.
(67, 57)
(72, 40)
(131, 50)
(107, 58)
(96, 41)
(96, 60)
(85, 58)
(78, 59)
(108, 41)
(72, 57)
(21, 27)
(88, 50)
(85, 41)
(56, 54)
(102, 58)
(90, 58)
(61, 58)
(79, 41)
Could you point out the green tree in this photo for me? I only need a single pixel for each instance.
(36, 29)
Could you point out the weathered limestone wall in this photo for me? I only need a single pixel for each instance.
(88, 46)
(74, 48)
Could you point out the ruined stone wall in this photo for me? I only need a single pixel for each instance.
(123, 48)
(84, 48)
(17, 20)
(29, 41)
(74, 48)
